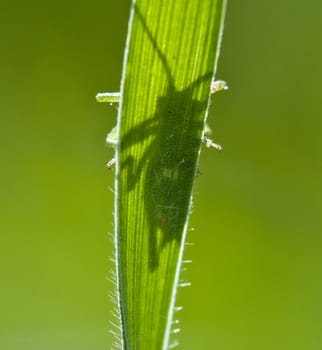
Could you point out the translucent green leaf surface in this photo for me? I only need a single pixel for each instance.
(170, 58)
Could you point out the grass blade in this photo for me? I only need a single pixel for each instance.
(171, 54)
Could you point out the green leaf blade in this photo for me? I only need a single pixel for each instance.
(171, 54)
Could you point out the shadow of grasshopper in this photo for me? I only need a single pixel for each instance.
(167, 168)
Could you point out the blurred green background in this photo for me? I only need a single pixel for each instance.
(257, 262)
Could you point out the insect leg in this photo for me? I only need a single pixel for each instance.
(111, 163)
(109, 97)
(210, 143)
(218, 85)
